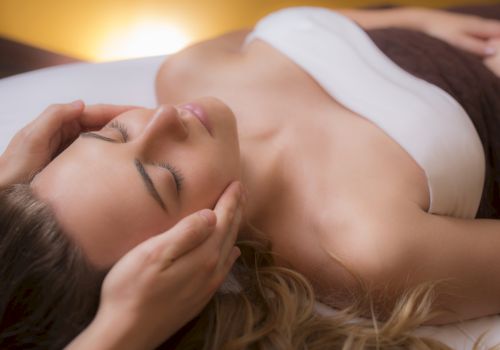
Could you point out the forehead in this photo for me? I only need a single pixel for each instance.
(139, 115)
(99, 200)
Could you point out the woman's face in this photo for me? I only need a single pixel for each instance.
(140, 174)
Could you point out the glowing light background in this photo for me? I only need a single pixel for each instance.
(103, 30)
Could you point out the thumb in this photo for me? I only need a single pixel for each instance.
(485, 28)
(55, 116)
(476, 46)
(185, 236)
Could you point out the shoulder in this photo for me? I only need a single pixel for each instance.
(380, 241)
(208, 50)
(196, 62)
(383, 254)
(228, 42)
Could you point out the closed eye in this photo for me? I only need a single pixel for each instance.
(115, 124)
(175, 172)
(122, 128)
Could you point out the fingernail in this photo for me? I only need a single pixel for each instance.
(237, 251)
(490, 50)
(77, 104)
(209, 215)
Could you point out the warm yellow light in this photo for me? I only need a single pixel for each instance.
(145, 38)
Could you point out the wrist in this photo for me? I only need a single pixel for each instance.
(5, 178)
(110, 333)
(12, 172)
(401, 17)
(411, 17)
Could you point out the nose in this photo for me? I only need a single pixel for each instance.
(165, 123)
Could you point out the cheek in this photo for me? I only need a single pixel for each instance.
(228, 160)
(208, 175)
(222, 170)
(144, 221)
(208, 192)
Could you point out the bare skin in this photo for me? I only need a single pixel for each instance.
(335, 199)
(314, 189)
(493, 62)
(323, 182)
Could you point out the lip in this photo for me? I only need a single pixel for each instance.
(200, 114)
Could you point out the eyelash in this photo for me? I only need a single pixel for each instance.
(177, 174)
(121, 128)
(125, 136)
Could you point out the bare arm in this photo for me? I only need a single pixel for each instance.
(467, 32)
(112, 334)
(433, 247)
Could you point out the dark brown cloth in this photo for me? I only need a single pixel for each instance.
(465, 77)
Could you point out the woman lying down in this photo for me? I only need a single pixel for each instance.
(308, 156)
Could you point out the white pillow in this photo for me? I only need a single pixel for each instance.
(24, 96)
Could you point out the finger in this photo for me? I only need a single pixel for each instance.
(96, 116)
(56, 115)
(225, 209)
(222, 280)
(230, 238)
(485, 28)
(473, 45)
(231, 259)
(185, 236)
(56, 127)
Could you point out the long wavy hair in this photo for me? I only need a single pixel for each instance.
(50, 292)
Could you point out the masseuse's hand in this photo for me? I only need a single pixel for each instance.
(467, 32)
(163, 283)
(35, 145)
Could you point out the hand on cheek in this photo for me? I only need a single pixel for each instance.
(164, 282)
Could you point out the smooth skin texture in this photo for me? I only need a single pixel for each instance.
(471, 243)
(35, 145)
(176, 274)
(163, 282)
(340, 185)
(282, 150)
(474, 35)
(282, 177)
(103, 170)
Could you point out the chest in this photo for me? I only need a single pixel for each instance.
(335, 148)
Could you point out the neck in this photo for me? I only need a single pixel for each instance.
(263, 176)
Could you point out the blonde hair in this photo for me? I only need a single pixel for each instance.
(274, 309)
(51, 293)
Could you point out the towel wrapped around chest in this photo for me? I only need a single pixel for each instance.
(467, 79)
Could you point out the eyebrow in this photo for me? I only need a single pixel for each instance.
(140, 168)
(97, 136)
(149, 183)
